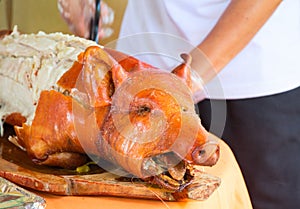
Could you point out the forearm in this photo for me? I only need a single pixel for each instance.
(234, 30)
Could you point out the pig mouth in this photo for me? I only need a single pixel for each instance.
(169, 171)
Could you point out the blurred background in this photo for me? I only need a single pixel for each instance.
(32, 16)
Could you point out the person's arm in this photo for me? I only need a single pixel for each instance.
(236, 27)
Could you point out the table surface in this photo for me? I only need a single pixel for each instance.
(232, 193)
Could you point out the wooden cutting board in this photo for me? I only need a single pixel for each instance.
(16, 166)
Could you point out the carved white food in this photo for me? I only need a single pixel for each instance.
(30, 63)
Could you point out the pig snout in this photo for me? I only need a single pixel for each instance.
(207, 154)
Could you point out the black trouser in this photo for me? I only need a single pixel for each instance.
(264, 134)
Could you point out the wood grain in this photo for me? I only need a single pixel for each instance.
(16, 166)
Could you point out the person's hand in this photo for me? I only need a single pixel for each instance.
(78, 14)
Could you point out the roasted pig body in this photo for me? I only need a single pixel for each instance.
(69, 98)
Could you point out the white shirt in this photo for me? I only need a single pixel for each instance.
(158, 31)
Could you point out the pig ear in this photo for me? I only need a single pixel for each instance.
(183, 70)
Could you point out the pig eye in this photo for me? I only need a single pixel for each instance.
(201, 152)
(143, 110)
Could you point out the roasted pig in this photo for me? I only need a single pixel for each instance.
(69, 99)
